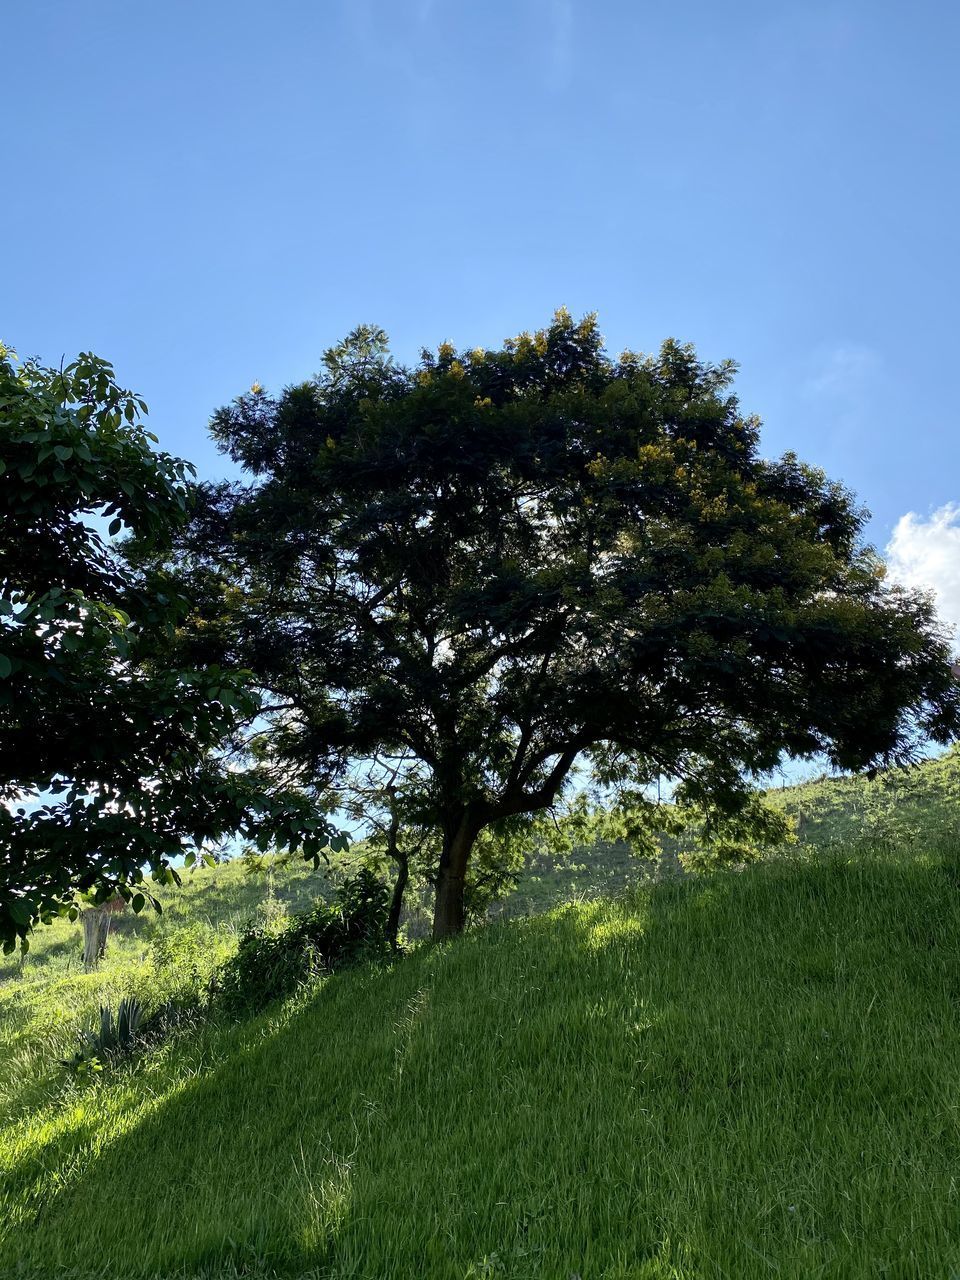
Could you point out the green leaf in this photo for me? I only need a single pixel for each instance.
(6, 666)
(138, 903)
(115, 526)
(63, 451)
(20, 912)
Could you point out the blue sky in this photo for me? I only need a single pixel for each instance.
(212, 193)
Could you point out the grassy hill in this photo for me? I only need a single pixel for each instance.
(217, 901)
(744, 1074)
(916, 804)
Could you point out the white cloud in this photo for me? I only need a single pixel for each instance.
(926, 553)
(844, 373)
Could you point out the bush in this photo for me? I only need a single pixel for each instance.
(272, 961)
(185, 960)
(721, 853)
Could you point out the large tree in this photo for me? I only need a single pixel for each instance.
(502, 567)
(113, 759)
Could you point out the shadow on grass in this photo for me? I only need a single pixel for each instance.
(669, 1088)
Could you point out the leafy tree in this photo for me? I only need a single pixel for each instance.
(506, 566)
(110, 758)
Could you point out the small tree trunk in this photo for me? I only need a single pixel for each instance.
(448, 913)
(96, 927)
(396, 902)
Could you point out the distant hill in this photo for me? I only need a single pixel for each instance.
(916, 804)
(218, 900)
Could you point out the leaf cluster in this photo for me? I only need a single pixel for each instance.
(114, 761)
(115, 1038)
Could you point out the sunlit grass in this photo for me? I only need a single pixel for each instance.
(916, 804)
(754, 1074)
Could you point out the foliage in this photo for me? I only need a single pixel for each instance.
(111, 756)
(723, 839)
(273, 960)
(185, 960)
(504, 566)
(115, 1037)
(742, 1075)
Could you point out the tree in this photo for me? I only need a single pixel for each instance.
(375, 797)
(507, 566)
(383, 798)
(112, 759)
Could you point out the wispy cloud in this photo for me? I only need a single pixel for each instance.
(560, 44)
(841, 386)
(926, 553)
(843, 373)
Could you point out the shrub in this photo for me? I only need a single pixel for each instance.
(185, 960)
(721, 853)
(272, 961)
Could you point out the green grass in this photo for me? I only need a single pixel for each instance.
(45, 997)
(740, 1075)
(920, 803)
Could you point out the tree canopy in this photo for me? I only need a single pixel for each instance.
(112, 759)
(500, 565)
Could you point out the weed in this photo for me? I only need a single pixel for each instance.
(115, 1038)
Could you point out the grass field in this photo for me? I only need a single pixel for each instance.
(738, 1075)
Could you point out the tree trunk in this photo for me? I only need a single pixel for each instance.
(96, 927)
(396, 902)
(448, 913)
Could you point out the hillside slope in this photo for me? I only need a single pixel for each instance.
(220, 900)
(742, 1075)
(918, 804)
